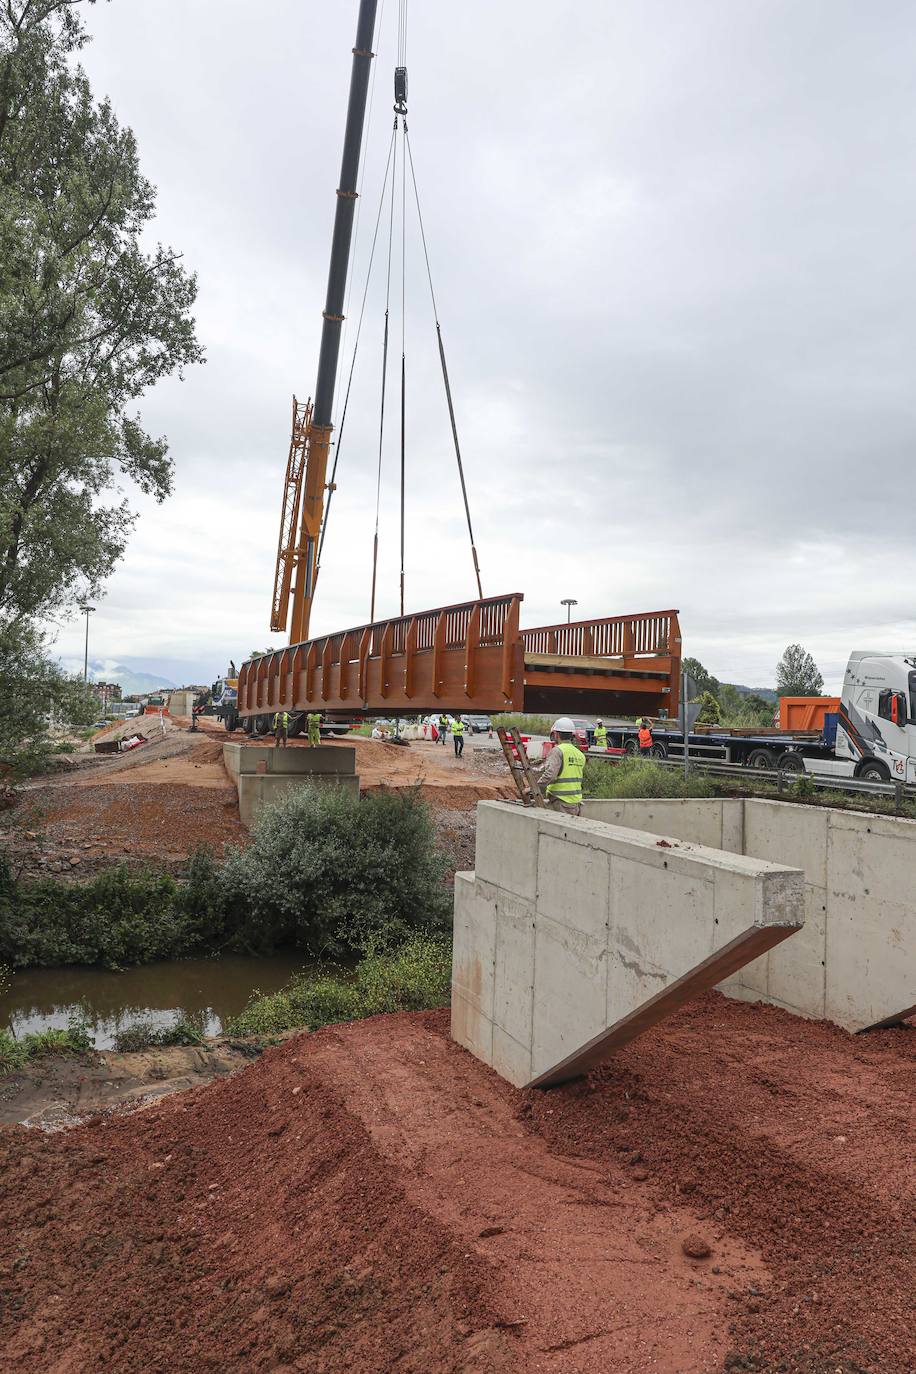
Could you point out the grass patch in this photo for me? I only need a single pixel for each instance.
(637, 777)
(415, 977)
(16, 1054)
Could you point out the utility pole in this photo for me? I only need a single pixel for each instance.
(87, 612)
(569, 602)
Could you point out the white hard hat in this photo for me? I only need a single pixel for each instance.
(599, 721)
(564, 726)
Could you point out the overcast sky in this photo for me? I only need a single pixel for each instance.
(672, 246)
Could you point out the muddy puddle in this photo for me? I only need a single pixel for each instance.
(206, 991)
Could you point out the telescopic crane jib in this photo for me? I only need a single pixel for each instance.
(311, 439)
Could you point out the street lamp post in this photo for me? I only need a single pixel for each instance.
(569, 602)
(87, 612)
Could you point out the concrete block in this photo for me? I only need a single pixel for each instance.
(696, 820)
(299, 761)
(796, 974)
(733, 826)
(788, 834)
(871, 920)
(569, 986)
(471, 1028)
(513, 974)
(511, 1060)
(507, 848)
(570, 977)
(474, 943)
(574, 895)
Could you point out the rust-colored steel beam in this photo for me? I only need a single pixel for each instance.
(474, 657)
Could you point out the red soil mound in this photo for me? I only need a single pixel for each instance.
(372, 1199)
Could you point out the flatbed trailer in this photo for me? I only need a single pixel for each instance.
(752, 747)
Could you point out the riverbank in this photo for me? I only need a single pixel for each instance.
(56, 1092)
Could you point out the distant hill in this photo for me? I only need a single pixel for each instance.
(132, 683)
(767, 693)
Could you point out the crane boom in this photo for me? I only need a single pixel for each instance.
(317, 439)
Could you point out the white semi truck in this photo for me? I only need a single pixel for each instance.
(871, 734)
(876, 722)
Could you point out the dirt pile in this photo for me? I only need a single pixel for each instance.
(371, 1198)
(796, 1138)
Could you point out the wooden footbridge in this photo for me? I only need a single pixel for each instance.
(472, 657)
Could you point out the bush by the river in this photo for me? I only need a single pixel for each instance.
(413, 978)
(327, 872)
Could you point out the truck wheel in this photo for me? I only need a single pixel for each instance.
(791, 763)
(761, 758)
(296, 726)
(230, 721)
(248, 725)
(872, 770)
(631, 746)
(659, 751)
(262, 725)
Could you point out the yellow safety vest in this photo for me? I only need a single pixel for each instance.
(457, 727)
(568, 786)
(601, 736)
(281, 720)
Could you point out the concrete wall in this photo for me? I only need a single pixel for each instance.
(263, 774)
(572, 935)
(855, 961)
(181, 703)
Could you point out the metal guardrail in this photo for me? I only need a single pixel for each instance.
(784, 777)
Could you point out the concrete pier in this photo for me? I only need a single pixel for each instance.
(263, 774)
(573, 936)
(855, 961)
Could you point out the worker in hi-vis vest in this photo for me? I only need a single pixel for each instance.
(561, 778)
(600, 735)
(281, 729)
(442, 727)
(313, 721)
(645, 739)
(458, 737)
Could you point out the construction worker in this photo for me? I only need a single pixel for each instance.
(313, 721)
(600, 735)
(561, 778)
(645, 739)
(458, 736)
(281, 729)
(443, 728)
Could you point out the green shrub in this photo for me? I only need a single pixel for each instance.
(325, 871)
(144, 1035)
(415, 977)
(333, 874)
(116, 918)
(637, 777)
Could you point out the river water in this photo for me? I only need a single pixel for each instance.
(207, 991)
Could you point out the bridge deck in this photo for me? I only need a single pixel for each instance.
(473, 657)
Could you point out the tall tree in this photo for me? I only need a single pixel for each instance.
(797, 674)
(89, 319)
(704, 680)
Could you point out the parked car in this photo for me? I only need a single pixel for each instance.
(478, 725)
(585, 732)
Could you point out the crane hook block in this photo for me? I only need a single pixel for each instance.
(400, 90)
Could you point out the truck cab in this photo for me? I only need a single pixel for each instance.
(876, 724)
